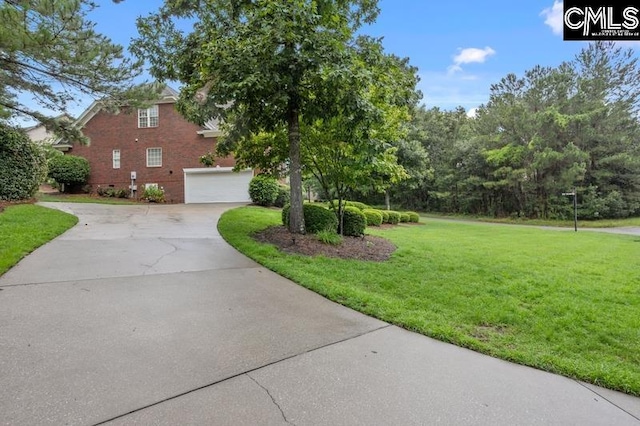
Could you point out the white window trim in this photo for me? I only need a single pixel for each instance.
(145, 116)
(115, 158)
(154, 165)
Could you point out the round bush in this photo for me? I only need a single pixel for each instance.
(385, 216)
(353, 222)
(374, 217)
(69, 170)
(404, 217)
(414, 217)
(284, 196)
(263, 190)
(394, 217)
(316, 218)
(22, 165)
(285, 215)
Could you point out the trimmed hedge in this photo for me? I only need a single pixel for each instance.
(374, 217)
(316, 218)
(394, 217)
(357, 204)
(69, 170)
(263, 190)
(385, 216)
(413, 217)
(22, 165)
(284, 196)
(404, 217)
(353, 222)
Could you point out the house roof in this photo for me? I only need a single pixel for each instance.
(211, 129)
(168, 95)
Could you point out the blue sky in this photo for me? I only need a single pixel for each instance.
(460, 47)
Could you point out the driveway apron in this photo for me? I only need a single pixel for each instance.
(142, 314)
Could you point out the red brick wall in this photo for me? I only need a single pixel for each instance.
(180, 143)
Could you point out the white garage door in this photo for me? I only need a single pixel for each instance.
(216, 185)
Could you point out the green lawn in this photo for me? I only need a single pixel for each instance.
(602, 223)
(25, 227)
(560, 301)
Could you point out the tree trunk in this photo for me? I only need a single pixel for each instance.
(387, 202)
(296, 218)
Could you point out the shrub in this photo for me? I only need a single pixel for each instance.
(263, 190)
(69, 170)
(404, 217)
(353, 221)
(329, 236)
(413, 217)
(316, 218)
(385, 216)
(357, 204)
(22, 165)
(285, 215)
(284, 196)
(110, 191)
(153, 194)
(394, 217)
(374, 217)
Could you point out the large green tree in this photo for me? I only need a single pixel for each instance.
(262, 66)
(340, 152)
(540, 135)
(51, 51)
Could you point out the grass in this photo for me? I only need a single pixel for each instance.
(81, 198)
(559, 301)
(25, 227)
(601, 223)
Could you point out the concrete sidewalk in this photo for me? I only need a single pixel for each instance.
(144, 315)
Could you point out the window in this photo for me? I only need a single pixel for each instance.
(154, 157)
(148, 117)
(116, 158)
(150, 186)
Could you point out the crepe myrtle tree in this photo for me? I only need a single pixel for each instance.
(260, 66)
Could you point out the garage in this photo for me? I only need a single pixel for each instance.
(216, 185)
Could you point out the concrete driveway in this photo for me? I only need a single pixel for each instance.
(144, 315)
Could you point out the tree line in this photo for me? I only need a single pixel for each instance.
(540, 135)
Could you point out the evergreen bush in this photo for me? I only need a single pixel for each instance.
(353, 222)
(284, 196)
(23, 165)
(413, 217)
(316, 218)
(394, 217)
(69, 170)
(374, 217)
(263, 190)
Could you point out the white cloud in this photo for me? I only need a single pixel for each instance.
(449, 91)
(471, 113)
(554, 17)
(468, 56)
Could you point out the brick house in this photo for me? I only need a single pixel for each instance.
(156, 146)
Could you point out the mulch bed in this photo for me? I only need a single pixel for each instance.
(369, 247)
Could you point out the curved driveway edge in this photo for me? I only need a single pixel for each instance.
(143, 315)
